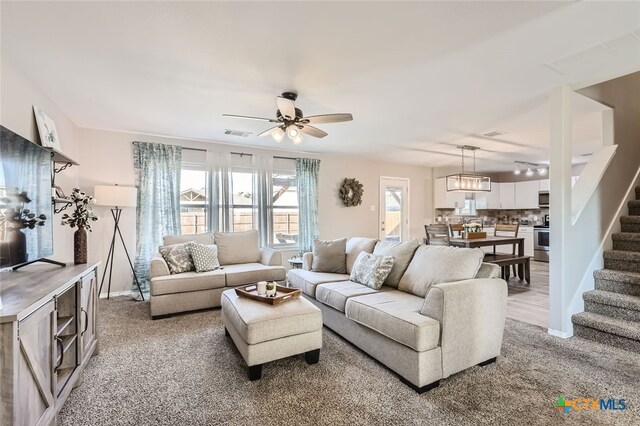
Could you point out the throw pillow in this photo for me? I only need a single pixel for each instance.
(329, 256)
(371, 269)
(238, 247)
(402, 253)
(355, 245)
(178, 257)
(205, 257)
(437, 264)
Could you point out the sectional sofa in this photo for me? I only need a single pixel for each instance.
(422, 333)
(242, 262)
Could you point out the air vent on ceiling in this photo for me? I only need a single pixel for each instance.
(239, 133)
(494, 134)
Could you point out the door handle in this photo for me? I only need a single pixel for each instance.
(86, 321)
(61, 346)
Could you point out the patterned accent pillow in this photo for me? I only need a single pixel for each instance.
(205, 257)
(371, 269)
(178, 257)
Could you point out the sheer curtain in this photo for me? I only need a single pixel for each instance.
(307, 170)
(157, 172)
(263, 197)
(220, 191)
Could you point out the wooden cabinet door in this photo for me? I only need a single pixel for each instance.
(88, 314)
(34, 402)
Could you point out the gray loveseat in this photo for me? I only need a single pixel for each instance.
(423, 338)
(242, 262)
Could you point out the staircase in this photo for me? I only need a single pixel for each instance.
(612, 310)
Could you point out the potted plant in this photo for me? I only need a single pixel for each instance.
(81, 218)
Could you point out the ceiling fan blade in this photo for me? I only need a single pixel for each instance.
(326, 118)
(246, 117)
(286, 107)
(313, 131)
(267, 132)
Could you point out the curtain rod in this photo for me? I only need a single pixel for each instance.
(238, 153)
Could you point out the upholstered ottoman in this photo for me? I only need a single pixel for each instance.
(264, 333)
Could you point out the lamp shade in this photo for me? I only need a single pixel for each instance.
(115, 196)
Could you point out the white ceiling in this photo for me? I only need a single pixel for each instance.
(419, 78)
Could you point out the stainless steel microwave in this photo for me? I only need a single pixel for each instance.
(543, 199)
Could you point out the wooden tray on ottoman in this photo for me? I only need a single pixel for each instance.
(283, 294)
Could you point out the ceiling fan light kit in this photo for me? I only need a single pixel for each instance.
(542, 171)
(468, 182)
(290, 121)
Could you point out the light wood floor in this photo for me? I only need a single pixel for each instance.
(530, 303)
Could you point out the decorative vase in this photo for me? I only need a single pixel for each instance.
(80, 246)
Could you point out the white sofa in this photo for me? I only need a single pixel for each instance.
(242, 262)
(422, 339)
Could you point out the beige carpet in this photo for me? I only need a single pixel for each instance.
(183, 370)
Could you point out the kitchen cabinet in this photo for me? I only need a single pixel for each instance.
(526, 232)
(507, 195)
(447, 200)
(489, 200)
(527, 194)
(544, 185)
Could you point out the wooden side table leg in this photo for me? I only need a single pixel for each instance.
(255, 372)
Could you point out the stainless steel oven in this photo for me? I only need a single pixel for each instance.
(543, 199)
(541, 243)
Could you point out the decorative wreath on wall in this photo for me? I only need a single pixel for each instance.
(351, 192)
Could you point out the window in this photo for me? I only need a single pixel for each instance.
(285, 209)
(242, 184)
(194, 208)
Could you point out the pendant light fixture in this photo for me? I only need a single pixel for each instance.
(468, 182)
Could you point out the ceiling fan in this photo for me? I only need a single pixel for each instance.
(290, 120)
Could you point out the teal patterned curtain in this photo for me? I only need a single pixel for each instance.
(157, 171)
(307, 170)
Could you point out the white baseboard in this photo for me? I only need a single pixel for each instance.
(116, 294)
(560, 334)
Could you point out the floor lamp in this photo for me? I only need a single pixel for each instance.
(116, 197)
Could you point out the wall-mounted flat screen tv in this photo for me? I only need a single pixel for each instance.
(26, 213)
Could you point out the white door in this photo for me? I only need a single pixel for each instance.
(394, 209)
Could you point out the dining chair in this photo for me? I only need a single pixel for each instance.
(437, 235)
(503, 230)
(456, 227)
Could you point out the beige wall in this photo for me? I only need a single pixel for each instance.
(106, 159)
(17, 97)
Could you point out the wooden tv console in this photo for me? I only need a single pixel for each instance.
(48, 332)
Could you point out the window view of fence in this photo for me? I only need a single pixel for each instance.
(195, 207)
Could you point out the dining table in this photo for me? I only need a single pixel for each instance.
(490, 241)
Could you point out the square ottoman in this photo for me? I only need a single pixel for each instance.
(264, 333)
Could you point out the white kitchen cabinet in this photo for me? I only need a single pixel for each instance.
(544, 185)
(489, 200)
(447, 200)
(507, 195)
(526, 232)
(527, 194)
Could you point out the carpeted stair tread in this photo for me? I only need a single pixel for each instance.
(622, 260)
(622, 255)
(618, 327)
(618, 276)
(626, 241)
(634, 207)
(612, 299)
(630, 223)
(637, 192)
